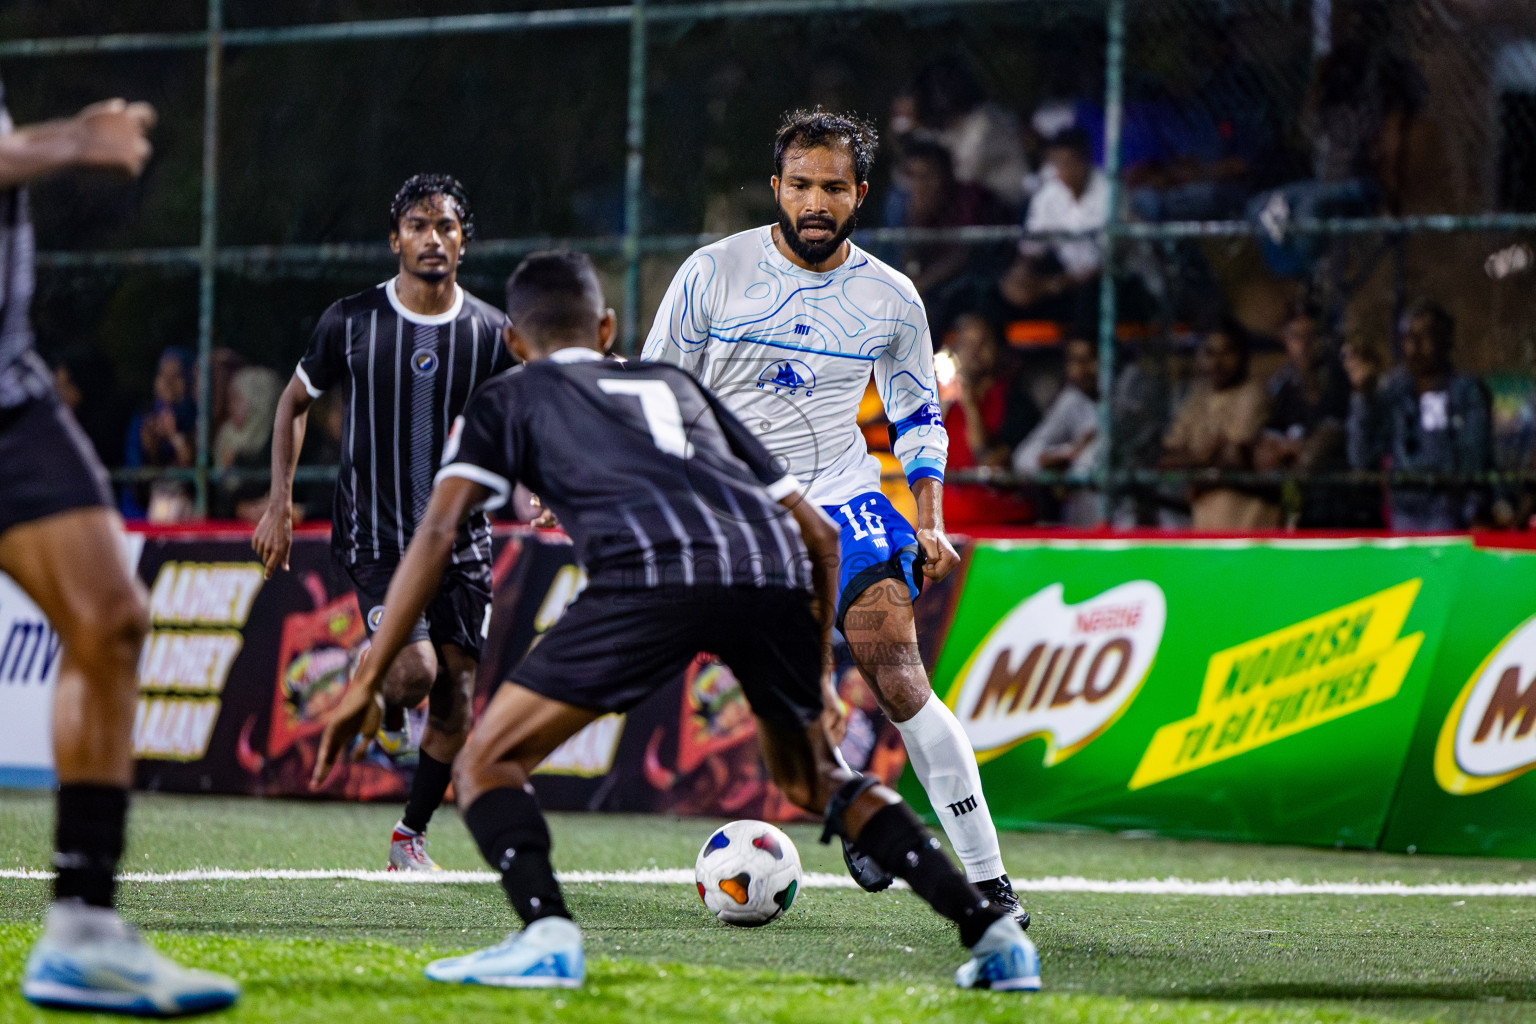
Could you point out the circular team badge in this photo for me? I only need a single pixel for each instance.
(375, 616)
(424, 361)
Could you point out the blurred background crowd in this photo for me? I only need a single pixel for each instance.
(1262, 374)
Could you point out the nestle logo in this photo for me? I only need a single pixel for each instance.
(1102, 620)
(1060, 671)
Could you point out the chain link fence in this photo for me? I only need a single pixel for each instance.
(1352, 156)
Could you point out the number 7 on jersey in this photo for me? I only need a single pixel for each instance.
(662, 414)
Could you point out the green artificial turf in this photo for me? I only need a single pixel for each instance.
(323, 950)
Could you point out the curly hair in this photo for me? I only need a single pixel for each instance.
(809, 129)
(421, 187)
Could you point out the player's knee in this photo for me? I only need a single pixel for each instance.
(409, 680)
(476, 770)
(110, 631)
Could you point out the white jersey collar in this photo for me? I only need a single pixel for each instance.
(437, 319)
(575, 354)
(780, 263)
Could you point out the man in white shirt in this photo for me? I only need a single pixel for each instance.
(1074, 198)
(785, 323)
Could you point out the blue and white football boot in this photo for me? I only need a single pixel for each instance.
(546, 954)
(1003, 960)
(90, 959)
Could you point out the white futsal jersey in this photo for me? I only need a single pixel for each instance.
(790, 352)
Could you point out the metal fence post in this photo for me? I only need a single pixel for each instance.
(208, 247)
(1114, 99)
(634, 167)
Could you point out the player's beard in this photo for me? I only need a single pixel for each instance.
(433, 274)
(815, 253)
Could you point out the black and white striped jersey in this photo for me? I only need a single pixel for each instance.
(23, 374)
(405, 377)
(656, 482)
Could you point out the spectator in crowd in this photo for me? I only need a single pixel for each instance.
(1066, 440)
(163, 436)
(87, 384)
(244, 441)
(992, 413)
(1218, 428)
(984, 139)
(936, 199)
(1139, 408)
(224, 363)
(1057, 280)
(1309, 400)
(1423, 417)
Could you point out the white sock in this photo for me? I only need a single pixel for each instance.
(945, 764)
(71, 922)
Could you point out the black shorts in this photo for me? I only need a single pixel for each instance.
(47, 464)
(612, 649)
(458, 613)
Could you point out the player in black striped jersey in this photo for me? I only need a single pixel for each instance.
(407, 355)
(693, 537)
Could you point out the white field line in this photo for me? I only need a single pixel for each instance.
(819, 880)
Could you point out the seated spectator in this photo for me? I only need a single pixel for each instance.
(1218, 428)
(1423, 417)
(992, 413)
(1053, 278)
(163, 436)
(1309, 400)
(244, 442)
(935, 199)
(1066, 440)
(984, 140)
(223, 365)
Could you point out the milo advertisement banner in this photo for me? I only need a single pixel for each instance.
(1254, 690)
(1467, 787)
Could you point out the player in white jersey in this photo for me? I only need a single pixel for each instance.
(786, 323)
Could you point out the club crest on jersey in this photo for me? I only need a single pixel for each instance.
(424, 361)
(789, 376)
(375, 616)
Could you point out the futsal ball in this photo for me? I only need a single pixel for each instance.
(748, 873)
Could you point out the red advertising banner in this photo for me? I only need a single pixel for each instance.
(239, 673)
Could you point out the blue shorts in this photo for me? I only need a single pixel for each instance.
(877, 543)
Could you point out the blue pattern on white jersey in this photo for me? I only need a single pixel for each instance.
(790, 353)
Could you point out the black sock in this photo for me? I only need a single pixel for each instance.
(88, 842)
(898, 842)
(427, 789)
(510, 830)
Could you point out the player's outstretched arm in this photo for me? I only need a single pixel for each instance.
(414, 583)
(939, 555)
(274, 533)
(109, 135)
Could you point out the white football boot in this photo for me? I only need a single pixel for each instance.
(90, 959)
(408, 851)
(1003, 960)
(546, 954)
